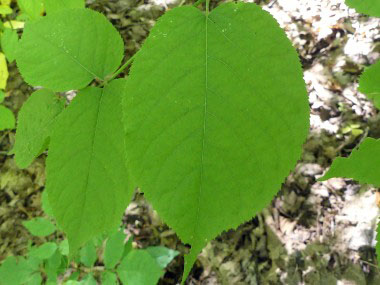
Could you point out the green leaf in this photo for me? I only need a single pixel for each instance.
(114, 249)
(69, 49)
(370, 83)
(7, 119)
(2, 96)
(88, 254)
(5, 10)
(359, 165)
(88, 280)
(162, 255)
(39, 227)
(369, 7)
(86, 182)
(45, 251)
(35, 279)
(53, 6)
(13, 272)
(32, 8)
(209, 139)
(45, 204)
(53, 265)
(64, 247)
(9, 44)
(109, 278)
(378, 243)
(35, 122)
(139, 268)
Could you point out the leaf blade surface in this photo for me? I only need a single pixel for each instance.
(68, 49)
(86, 182)
(215, 116)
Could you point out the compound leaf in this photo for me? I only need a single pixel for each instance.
(216, 114)
(139, 268)
(9, 43)
(369, 7)
(35, 122)
(86, 180)
(39, 227)
(360, 165)
(370, 83)
(68, 49)
(52, 6)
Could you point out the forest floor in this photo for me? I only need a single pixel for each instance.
(313, 232)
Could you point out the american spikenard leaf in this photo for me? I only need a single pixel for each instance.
(86, 172)
(369, 7)
(35, 122)
(216, 112)
(69, 49)
(53, 6)
(359, 165)
(370, 83)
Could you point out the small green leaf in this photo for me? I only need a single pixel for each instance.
(162, 255)
(40, 227)
(91, 173)
(88, 280)
(32, 8)
(53, 6)
(109, 278)
(46, 204)
(44, 251)
(7, 119)
(9, 44)
(88, 254)
(69, 49)
(139, 268)
(64, 247)
(2, 96)
(35, 279)
(13, 272)
(359, 165)
(35, 122)
(369, 7)
(5, 10)
(53, 265)
(370, 83)
(114, 249)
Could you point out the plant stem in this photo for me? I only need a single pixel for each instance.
(199, 2)
(117, 72)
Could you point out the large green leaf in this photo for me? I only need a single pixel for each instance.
(369, 7)
(216, 112)
(53, 6)
(9, 43)
(68, 49)
(35, 122)
(360, 165)
(370, 83)
(86, 172)
(139, 268)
